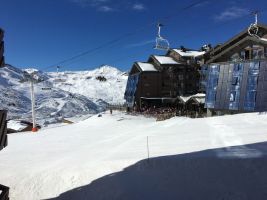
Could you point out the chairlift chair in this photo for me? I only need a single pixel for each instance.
(161, 43)
(253, 29)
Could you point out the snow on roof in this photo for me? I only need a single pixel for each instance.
(146, 66)
(15, 125)
(189, 53)
(200, 100)
(199, 97)
(165, 60)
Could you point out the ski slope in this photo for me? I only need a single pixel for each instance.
(56, 160)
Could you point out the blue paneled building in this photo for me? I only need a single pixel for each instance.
(234, 77)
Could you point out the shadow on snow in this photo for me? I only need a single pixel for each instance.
(236, 173)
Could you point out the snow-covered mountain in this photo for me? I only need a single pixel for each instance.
(110, 89)
(64, 94)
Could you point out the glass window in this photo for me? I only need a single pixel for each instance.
(235, 81)
(243, 55)
(255, 54)
(233, 96)
(250, 100)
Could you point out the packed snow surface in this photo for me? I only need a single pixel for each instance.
(51, 162)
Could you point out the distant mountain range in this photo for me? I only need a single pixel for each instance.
(64, 94)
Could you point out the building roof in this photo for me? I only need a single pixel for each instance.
(146, 67)
(234, 42)
(189, 53)
(199, 97)
(242, 43)
(166, 60)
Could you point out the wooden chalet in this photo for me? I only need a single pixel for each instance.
(2, 60)
(160, 80)
(241, 47)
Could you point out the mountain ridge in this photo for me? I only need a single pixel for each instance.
(77, 93)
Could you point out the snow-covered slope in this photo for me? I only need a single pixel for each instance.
(57, 160)
(78, 93)
(86, 83)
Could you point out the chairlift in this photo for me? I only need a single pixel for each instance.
(253, 29)
(161, 43)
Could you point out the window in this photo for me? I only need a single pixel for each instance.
(235, 81)
(243, 55)
(252, 82)
(215, 69)
(250, 100)
(233, 96)
(235, 57)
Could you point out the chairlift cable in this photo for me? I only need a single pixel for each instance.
(93, 50)
(223, 24)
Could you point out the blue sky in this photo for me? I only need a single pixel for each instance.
(41, 33)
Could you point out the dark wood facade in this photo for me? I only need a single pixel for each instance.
(4, 192)
(163, 78)
(3, 129)
(2, 59)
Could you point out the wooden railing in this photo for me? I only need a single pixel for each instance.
(4, 192)
(3, 129)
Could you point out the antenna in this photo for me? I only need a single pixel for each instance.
(255, 13)
(159, 29)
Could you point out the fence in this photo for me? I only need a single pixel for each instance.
(3, 129)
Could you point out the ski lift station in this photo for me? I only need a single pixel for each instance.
(227, 78)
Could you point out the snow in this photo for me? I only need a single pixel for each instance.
(16, 125)
(86, 84)
(146, 66)
(54, 161)
(189, 53)
(80, 93)
(165, 60)
(199, 97)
